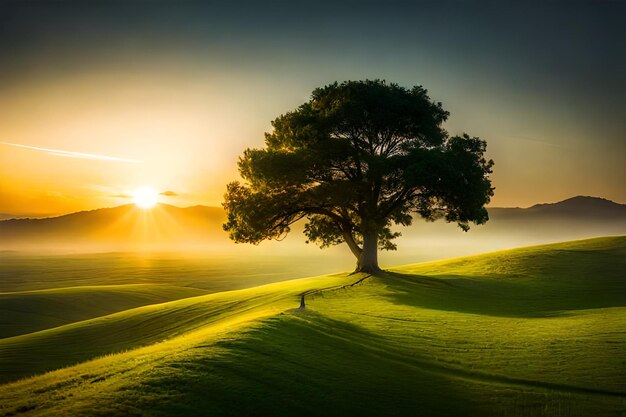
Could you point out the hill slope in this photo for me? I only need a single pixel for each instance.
(30, 311)
(535, 331)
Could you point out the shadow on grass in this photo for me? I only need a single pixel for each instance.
(306, 364)
(577, 285)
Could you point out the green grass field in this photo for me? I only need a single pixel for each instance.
(536, 331)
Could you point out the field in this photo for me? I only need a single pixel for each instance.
(534, 331)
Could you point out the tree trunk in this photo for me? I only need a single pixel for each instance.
(368, 258)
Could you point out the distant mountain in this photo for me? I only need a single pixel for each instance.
(169, 227)
(7, 216)
(124, 227)
(574, 218)
(580, 206)
(582, 203)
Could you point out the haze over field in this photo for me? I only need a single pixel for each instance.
(199, 230)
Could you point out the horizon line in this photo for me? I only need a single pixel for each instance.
(50, 216)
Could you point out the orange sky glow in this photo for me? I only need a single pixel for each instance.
(86, 121)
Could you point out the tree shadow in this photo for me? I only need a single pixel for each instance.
(508, 297)
(307, 364)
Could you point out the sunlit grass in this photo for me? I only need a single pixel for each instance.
(535, 331)
(29, 311)
(53, 348)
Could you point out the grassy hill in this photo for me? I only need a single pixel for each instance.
(537, 331)
(30, 311)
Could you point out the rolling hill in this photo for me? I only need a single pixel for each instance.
(533, 331)
(29, 311)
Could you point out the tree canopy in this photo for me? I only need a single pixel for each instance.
(357, 158)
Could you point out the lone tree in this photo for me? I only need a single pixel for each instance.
(355, 159)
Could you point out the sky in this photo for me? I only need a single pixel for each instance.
(98, 99)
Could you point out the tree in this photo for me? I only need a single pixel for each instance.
(354, 160)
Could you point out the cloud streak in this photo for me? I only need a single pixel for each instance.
(71, 154)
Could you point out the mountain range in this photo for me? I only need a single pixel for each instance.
(128, 227)
(124, 227)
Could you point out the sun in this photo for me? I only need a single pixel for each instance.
(145, 197)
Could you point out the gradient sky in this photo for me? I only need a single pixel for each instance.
(104, 98)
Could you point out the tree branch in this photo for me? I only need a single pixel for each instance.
(397, 201)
